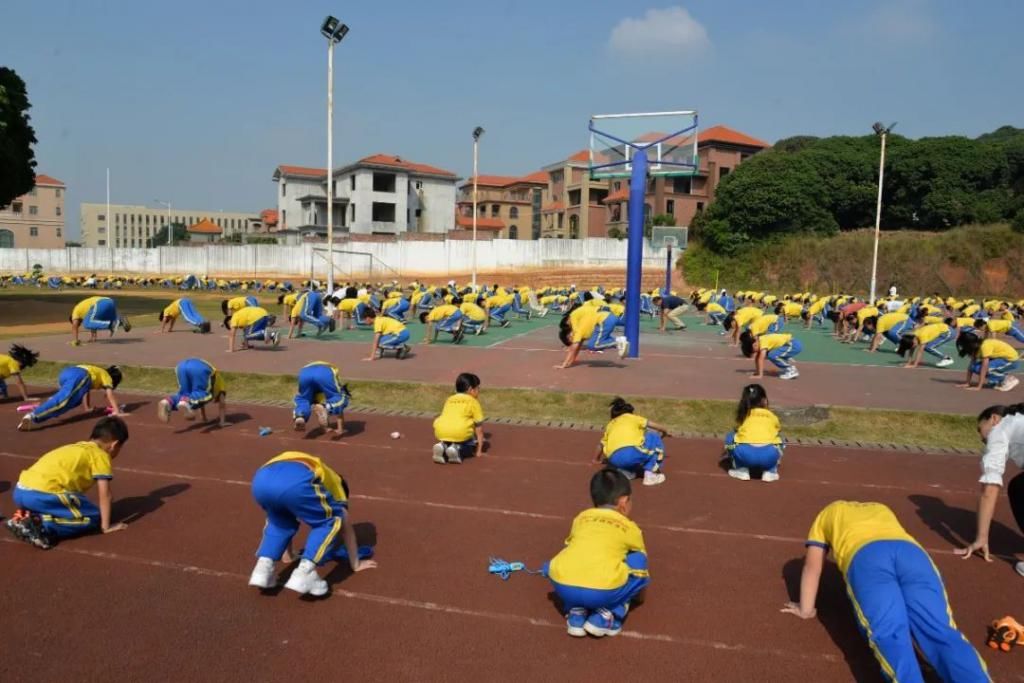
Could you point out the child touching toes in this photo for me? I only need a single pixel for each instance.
(603, 567)
(756, 442)
(632, 444)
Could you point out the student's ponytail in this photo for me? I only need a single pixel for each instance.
(753, 396)
(620, 407)
(224, 306)
(907, 343)
(968, 344)
(747, 343)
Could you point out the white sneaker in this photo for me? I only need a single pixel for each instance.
(305, 580)
(653, 478)
(741, 473)
(622, 344)
(184, 407)
(438, 454)
(1019, 568)
(26, 424)
(320, 413)
(163, 410)
(1008, 384)
(770, 476)
(452, 453)
(263, 574)
(275, 338)
(944, 362)
(300, 424)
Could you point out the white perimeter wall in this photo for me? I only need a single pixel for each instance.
(388, 259)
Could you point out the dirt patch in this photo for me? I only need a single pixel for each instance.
(953, 276)
(996, 275)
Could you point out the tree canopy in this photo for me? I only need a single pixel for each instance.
(823, 185)
(17, 158)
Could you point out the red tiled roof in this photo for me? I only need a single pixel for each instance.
(269, 217)
(481, 223)
(492, 180)
(540, 177)
(730, 136)
(205, 227)
(392, 160)
(552, 208)
(617, 196)
(302, 170)
(42, 179)
(582, 155)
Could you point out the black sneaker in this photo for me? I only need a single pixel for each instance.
(458, 336)
(506, 323)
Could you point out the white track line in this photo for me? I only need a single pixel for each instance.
(453, 609)
(490, 510)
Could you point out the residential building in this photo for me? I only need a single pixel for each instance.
(35, 220)
(507, 206)
(380, 194)
(205, 231)
(572, 207)
(721, 149)
(133, 226)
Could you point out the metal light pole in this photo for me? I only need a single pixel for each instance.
(334, 31)
(110, 233)
(170, 230)
(883, 132)
(477, 132)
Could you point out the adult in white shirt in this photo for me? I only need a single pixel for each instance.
(1002, 430)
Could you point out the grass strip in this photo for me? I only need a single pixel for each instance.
(899, 427)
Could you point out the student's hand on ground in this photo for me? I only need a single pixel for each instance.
(977, 388)
(364, 564)
(754, 375)
(794, 608)
(980, 547)
(963, 386)
(121, 526)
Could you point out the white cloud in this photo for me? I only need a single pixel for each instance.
(902, 22)
(669, 31)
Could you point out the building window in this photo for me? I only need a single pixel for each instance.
(101, 229)
(6, 239)
(101, 217)
(670, 207)
(33, 231)
(722, 172)
(58, 193)
(700, 206)
(59, 234)
(102, 243)
(283, 186)
(419, 185)
(513, 212)
(513, 233)
(16, 207)
(383, 212)
(352, 182)
(384, 182)
(33, 210)
(418, 212)
(618, 185)
(495, 210)
(353, 206)
(284, 218)
(682, 184)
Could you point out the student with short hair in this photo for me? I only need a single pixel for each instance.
(670, 307)
(388, 335)
(256, 325)
(603, 567)
(73, 386)
(632, 444)
(779, 349)
(926, 338)
(298, 488)
(199, 383)
(182, 308)
(738, 321)
(590, 328)
(49, 494)
(442, 318)
(756, 443)
(897, 593)
(16, 360)
(992, 360)
(458, 428)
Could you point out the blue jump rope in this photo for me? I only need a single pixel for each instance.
(500, 567)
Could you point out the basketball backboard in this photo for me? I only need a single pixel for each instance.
(664, 237)
(669, 138)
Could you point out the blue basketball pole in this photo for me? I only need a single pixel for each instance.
(635, 250)
(668, 273)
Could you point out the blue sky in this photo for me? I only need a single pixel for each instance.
(197, 102)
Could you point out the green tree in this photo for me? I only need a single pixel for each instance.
(159, 238)
(17, 158)
(1018, 221)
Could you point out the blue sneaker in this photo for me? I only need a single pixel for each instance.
(602, 623)
(576, 621)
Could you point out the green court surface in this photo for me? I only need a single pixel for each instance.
(493, 336)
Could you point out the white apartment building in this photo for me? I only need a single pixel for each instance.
(132, 226)
(379, 195)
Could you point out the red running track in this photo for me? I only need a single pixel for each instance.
(166, 599)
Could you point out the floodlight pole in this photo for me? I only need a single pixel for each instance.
(477, 132)
(883, 132)
(169, 231)
(333, 30)
(635, 249)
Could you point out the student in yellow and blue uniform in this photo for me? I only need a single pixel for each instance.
(396, 307)
(992, 360)
(236, 303)
(767, 323)
(309, 308)
(256, 325)
(49, 497)
(287, 303)
(632, 444)
(891, 326)
(388, 335)
(295, 488)
(926, 338)
(321, 393)
(498, 305)
(897, 593)
(183, 308)
(990, 326)
(17, 359)
(474, 318)
(457, 429)
(73, 386)
(738, 321)
(756, 443)
(590, 328)
(94, 314)
(442, 318)
(603, 566)
(199, 383)
(779, 349)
